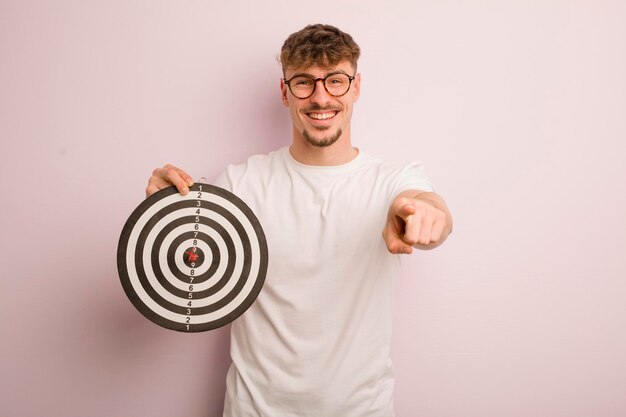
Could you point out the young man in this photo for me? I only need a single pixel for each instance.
(316, 341)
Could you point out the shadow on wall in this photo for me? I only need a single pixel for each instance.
(114, 340)
(271, 120)
(127, 334)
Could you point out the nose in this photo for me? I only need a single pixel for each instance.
(320, 95)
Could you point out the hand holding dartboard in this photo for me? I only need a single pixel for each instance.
(195, 262)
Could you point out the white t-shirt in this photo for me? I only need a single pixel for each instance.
(316, 341)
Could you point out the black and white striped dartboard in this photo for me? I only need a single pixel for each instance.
(192, 263)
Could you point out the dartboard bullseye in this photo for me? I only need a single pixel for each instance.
(192, 263)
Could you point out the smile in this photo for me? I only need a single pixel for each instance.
(322, 116)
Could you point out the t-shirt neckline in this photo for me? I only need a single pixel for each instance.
(356, 161)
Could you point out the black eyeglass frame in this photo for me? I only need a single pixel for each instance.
(323, 80)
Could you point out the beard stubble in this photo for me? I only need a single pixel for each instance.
(323, 142)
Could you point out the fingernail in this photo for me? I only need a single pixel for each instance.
(190, 181)
(184, 191)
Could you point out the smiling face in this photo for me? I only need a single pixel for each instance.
(321, 120)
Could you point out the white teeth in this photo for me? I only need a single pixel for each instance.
(321, 116)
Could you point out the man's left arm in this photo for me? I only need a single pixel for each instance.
(416, 219)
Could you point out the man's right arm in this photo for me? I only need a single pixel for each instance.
(166, 176)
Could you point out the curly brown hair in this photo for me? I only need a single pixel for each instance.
(321, 45)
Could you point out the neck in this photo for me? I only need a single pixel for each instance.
(339, 153)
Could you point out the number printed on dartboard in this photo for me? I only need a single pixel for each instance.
(194, 255)
(195, 262)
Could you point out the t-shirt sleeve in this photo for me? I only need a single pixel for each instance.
(411, 177)
(231, 177)
(224, 181)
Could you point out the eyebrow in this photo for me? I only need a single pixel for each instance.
(304, 74)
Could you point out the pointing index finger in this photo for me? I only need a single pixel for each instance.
(405, 210)
(412, 229)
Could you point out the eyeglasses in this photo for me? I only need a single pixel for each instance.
(303, 86)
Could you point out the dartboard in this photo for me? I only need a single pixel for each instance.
(192, 263)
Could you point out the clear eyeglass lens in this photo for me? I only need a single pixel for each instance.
(336, 85)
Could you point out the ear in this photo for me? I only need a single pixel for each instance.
(357, 87)
(283, 93)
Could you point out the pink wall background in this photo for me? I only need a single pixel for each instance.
(517, 108)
